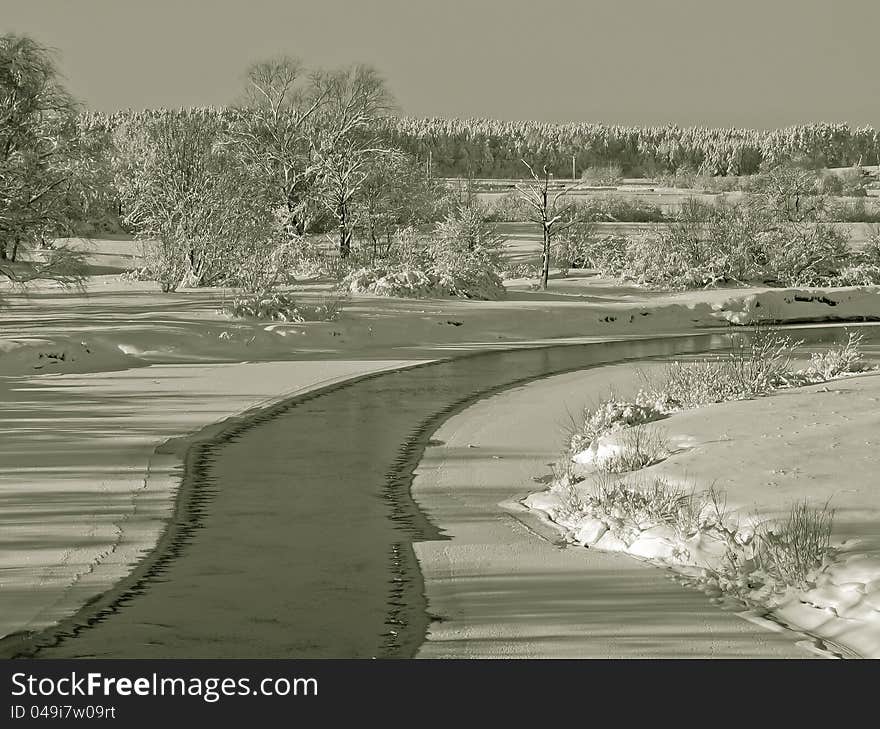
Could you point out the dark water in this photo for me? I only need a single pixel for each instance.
(293, 533)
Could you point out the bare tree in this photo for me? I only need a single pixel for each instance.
(273, 128)
(355, 96)
(396, 194)
(343, 145)
(552, 212)
(344, 170)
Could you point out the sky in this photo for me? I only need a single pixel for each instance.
(754, 63)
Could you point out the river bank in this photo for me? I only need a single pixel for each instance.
(506, 585)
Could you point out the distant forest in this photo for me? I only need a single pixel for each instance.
(486, 148)
(489, 148)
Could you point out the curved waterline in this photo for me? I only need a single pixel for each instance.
(185, 600)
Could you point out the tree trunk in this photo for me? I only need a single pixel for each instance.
(344, 234)
(545, 260)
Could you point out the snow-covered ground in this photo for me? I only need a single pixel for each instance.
(815, 444)
(93, 382)
(506, 585)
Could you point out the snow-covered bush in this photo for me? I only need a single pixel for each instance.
(461, 257)
(614, 414)
(792, 551)
(329, 308)
(521, 270)
(806, 254)
(691, 384)
(707, 245)
(574, 245)
(607, 176)
(639, 506)
(863, 268)
(465, 251)
(845, 183)
(634, 448)
(781, 233)
(279, 306)
(507, 208)
(469, 274)
(275, 306)
(752, 368)
(764, 563)
(844, 359)
(611, 255)
(143, 273)
(858, 274)
(390, 281)
(410, 249)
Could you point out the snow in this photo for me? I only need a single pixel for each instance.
(94, 383)
(501, 587)
(754, 451)
(788, 305)
(588, 530)
(600, 451)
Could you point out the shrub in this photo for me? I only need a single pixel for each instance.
(606, 176)
(844, 359)
(752, 368)
(871, 252)
(637, 447)
(806, 254)
(685, 177)
(138, 274)
(390, 281)
(410, 249)
(279, 306)
(562, 486)
(855, 211)
(619, 209)
(705, 246)
(605, 207)
(521, 270)
(691, 384)
(276, 306)
(609, 255)
(613, 414)
(507, 208)
(472, 274)
(329, 308)
(680, 256)
(763, 362)
(781, 234)
(844, 183)
(465, 252)
(639, 506)
(462, 258)
(830, 184)
(573, 246)
(791, 552)
(859, 274)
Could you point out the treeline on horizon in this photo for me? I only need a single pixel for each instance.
(487, 148)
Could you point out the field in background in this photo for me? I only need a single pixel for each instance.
(115, 254)
(522, 244)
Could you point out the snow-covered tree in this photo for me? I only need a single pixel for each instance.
(43, 164)
(554, 212)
